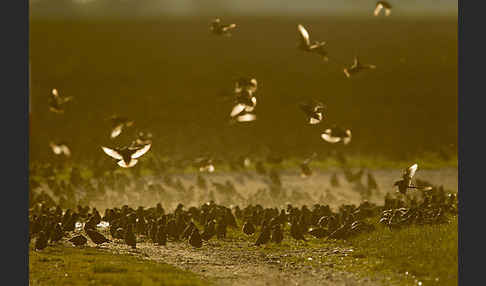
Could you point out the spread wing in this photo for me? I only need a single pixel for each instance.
(411, 170)
(379, 7)
(56, 149)
(246, 117)
(304, 35)
(112, 153)
(65, 150)
(330, 138)
(116, 131)
(237, 109)
(141, 151)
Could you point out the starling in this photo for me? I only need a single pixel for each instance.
(60, 148)
(209, 230)
(313, 110)
(127, 156)
(161, 237)
(118, 124)
(221, 229)
(41, 241)
(357, 67)
(217, 28)
(96, 237)
(130, 238)
(264, 236)
(305, 44)
(277, 234)
(195, 238)
(78, 240)
(382, 5)
(57, 233)
(248, 228)
(337, 134)
(406, 182)
(56, 101)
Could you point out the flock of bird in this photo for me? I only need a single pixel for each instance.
(49, 223)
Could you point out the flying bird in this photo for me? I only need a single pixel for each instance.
(357, 67)
(305, 170)
(204, 164)
(217, 28)
(305, 44)
(313, 110)
(60, 148)
(118, 124)
(406, 182)
(56, 101)
(127, 156)
(337, 134)
(246, 83)
(382, 5)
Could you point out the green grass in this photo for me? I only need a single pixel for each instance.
(59, 265)
(428, 253)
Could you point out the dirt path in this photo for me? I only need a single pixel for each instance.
(239, 263)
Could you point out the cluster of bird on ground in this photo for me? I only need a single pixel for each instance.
(50, 224)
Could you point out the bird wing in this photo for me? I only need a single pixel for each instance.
(313, 120)
(132, 163)
(228, 27)
(330, 138)
(304, 35)
(116, 131)
(65, 150)
(141, 151)
(379, 7)
(237, 109)
(246, 117)
(347, 73)
(56, 149)
(411, 170)
(112, 153)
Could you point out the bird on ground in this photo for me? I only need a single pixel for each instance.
(96, 237)
(56, 101)
(248, 228)
(305, 44)
(127, 155)
(406, 182)
(357, 67)
(382, 5)
(217, 28)
(204, 164)
(264, 236)
(195, 238)
(130, 238)
(337, 134)
(314, 111)
(119, 123)
(277, 234)
(60, 148)
(78, 240)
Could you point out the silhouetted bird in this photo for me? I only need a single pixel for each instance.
(60, 148)
(296, 231)
(314, 111)
(130, 238)
(41, 241)
(56, 101)
(56, 233)
(277, 234)
(127, 156)
(218, 28)
(406, 182)
(221, 229)
(264, 236)
(318, 232)
(305, 44)
(382, 5)
(78, 240)
(96, 237)
(248, 228)
(305, 170)
(195, 238)
(337, 134)
(209, 230)
(357, 67)
(161, 236)
(118, 123)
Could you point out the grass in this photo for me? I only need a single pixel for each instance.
(59, 265)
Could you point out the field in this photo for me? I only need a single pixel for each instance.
(174, 79)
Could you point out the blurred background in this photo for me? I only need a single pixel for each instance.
(156, 62)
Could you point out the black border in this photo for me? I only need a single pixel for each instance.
(471, 80)
(15, 91)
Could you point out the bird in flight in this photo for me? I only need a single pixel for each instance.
(305, 44)
(127, 156)
(337, 134)
(406, 182)
(119, 123)
(217, 28)
(60, 148)
(357, 67)
(245, 100)
(56, 101)
(313, 110)
(382, 5)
